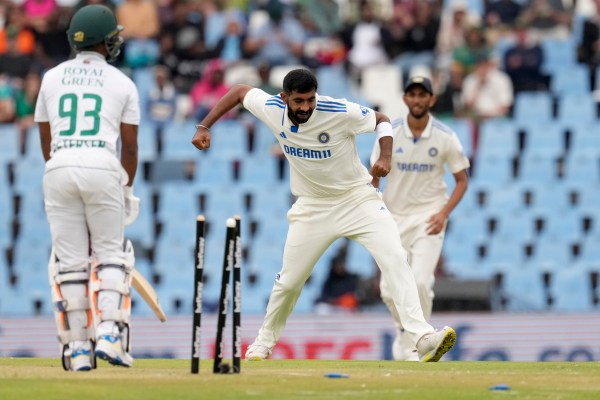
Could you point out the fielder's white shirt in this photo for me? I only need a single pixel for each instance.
(85, 100)
(416, 183)
(321, 152)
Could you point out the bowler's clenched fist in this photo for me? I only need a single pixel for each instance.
(201, 139)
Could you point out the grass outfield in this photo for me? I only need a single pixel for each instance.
(35, 378)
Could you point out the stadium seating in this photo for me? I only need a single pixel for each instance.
(571, 290)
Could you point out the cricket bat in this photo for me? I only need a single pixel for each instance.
(146, 291)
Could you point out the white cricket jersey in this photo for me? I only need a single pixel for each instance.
(85, 100)
(322, 151)
(416, 183)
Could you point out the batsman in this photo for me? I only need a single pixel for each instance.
(84, 107)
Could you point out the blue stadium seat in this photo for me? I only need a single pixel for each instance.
(364, 146)
(559, 55)
(259, 170)
(464, 130)
(545, 138)
(213, 171)
(590, 251)
(577, 107)
(583, 167)
(566, 227)
(174, 256)
(533, 106)
(524, 290)
(504, 199)
(550, 254)
(334, 82)
(538, 168)
(492, 168)
(229, 140)
(549, 199)
(516, 226)
(573, 80)
(571, 289)
(503, 251)
(498, 137)
(264, 140)
(9, 143)
(472, 228)
(585, 137)
(270, 201)
(177, 143)
(177, 201)
(147, 142)
(462, 259)
(29, 174)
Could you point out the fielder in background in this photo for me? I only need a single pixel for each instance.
(335, 199)
(84, 107)
(416, 195)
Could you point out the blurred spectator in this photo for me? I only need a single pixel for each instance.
(340, 287)
(7, 101)
(230, 48)
(215, 22)
(323, 15)
(279, 40)
(107, 3)
(588, 48)
(16, 30)
(51, 43)
(38, 12)
(454, 24)
(182, 47)
(25, 98)
(449, 88)
(367, 41)
(547, 19)
(501, 13)
(162, 98)
(13, 62)
(208, 90)
(487, 92)
(419, 39)
(500, 18)
(523, 63)
(464, 56)
(141, 28)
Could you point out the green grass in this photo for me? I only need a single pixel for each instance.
(301, 379)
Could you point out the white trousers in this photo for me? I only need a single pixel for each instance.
(314, 224)
(424, 251)
(85, 206)
(84, 201)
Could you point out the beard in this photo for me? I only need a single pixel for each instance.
(419, 114)
(300, 117)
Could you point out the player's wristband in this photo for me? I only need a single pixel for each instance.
(384, 129)
(198, 126)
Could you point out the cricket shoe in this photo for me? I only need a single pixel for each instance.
(432, 346)
(109, 348)
(257, 352)
(80, 360)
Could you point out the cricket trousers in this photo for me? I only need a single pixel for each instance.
(314, 224)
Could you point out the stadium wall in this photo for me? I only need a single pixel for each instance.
(481, 336)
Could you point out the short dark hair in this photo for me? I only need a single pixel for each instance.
(299, 80)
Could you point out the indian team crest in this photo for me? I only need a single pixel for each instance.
(324, 137)
(433, 152)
